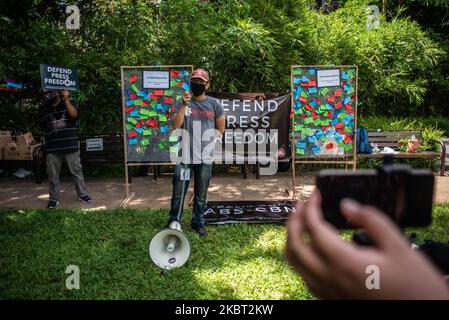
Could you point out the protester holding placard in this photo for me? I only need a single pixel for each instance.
(58, 118)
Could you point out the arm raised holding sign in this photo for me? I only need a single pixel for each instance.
(71, 110)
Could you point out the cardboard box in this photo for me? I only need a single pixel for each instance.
(13, 151)
(5, 137)
(22, 148)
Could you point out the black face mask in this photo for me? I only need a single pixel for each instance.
(197, 88)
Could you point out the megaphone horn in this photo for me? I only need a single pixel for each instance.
(170, 248)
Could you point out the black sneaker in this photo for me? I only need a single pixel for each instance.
(85, 199)
(52, 204)
(200, 230)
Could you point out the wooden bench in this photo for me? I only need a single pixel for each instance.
(393, 139)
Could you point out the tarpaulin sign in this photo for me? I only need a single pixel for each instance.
(228, 212)
(58, 78)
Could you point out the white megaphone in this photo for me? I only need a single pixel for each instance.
(170, 248)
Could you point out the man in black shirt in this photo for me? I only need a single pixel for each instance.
(58, 118)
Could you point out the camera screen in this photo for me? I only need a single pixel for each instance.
(406, 198)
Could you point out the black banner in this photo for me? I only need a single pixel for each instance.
(58, 78)
(227, 212)
(262, 118)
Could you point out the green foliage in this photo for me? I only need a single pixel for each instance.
(248, 46)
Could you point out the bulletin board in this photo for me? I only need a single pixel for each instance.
(324, 114)
(149, 94)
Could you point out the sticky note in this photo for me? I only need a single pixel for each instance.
(134, 113)
(345, 76)
(168, 93)
(308, 120)
(129, 103)
(147, 132)
(173, 139)
(337, 93)
(301, 144)
(313, 103)
(312, 71)
(300, 151)
(129, 127)
(302, 99)
(133, 78)
(304, 79)
(173, 83)
(145, 142)
(174, 149)
(311, 139)
(174, 73)
(324, 91)
(164, 129)
(132, 120)
(162, 145)
(132, 141)
(316, 149)
(139, 130)
(312, 83)
(296, 71)
(317, 122)
(132, 134)
(168, 100)
(134, 88)
(350, 90)
(312, 90)
(141, 93)
(152, 113)
(162, 118)
(144, 111)
(158, 92)
(186, 86)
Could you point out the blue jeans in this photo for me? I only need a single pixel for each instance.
(202, 174)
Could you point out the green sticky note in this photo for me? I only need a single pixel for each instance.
(152, 113)
(132, 120)
(162, 118)
(341, 116)
(348, 147)
(145, 142)
(173, 139)
(174, 149)
(304, 94)
(324, 91)
(325, 122)
(300, 151)
(173, 83)
(298, 127)
(351, 90)
(168, 93)
(348, 129)
(324, 139)
(308, 120)
(134, 88)
(147, 132)
(129, 126)
(144, 111)
(297, 111)
(162, 145)
(317, 122)
(153, 103)
(297, 71)
(138, 102)
(144, 117)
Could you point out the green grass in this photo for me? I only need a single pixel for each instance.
(110, 248)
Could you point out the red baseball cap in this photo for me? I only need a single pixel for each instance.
(200, 74)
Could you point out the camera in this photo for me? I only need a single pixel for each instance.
(403, 193)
